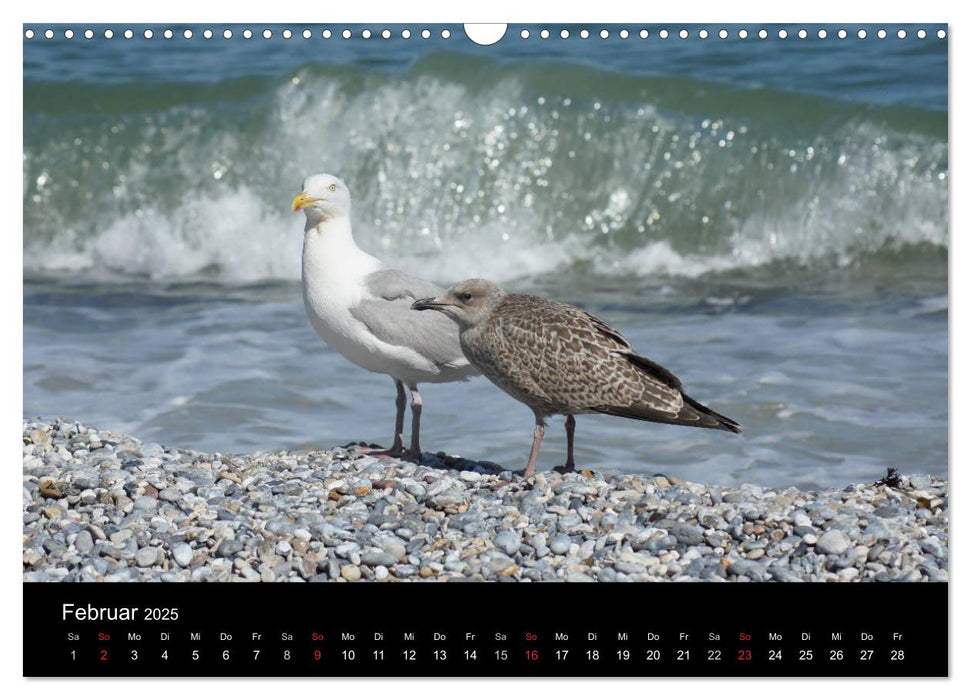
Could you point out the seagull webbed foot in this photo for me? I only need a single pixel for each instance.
(377, 451)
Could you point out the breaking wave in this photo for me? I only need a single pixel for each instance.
(474, 167)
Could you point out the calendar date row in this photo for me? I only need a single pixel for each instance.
(350, 655)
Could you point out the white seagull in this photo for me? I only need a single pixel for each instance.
(362, 308)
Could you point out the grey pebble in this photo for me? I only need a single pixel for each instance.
(229, 548)
(446, 499)
(746, 567)
(280, 526)
(333, 514)
(560, 544)
(499, 562)
(373, 557)
(145, 503)
(146, 556)
(119, 537)
(84, 543)
(934, 547)
(686, 534)
(507, 541)
(833, 542)
(182, 554)
(781, 574)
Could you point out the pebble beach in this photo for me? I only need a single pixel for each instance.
(102, 506)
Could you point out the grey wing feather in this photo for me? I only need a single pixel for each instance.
(389, 316)
(394, 284)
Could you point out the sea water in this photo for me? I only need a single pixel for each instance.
(766, 218)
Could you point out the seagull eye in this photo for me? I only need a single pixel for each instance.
(333, 187)
(465, 296)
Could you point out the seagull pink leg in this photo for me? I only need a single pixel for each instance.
(534, 452)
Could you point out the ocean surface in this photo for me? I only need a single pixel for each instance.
(766, 218)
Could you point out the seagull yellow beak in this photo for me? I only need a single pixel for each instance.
(303, 200)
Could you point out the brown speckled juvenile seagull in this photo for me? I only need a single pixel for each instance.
(556, 358)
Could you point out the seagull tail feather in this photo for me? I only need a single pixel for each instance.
(709, 418)
(692, 414)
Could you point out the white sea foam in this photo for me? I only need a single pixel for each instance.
(457, 182)
(230, 237)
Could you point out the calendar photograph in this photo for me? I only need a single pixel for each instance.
(611, 304)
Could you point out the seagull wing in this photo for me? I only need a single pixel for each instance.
(584, 365)
(661, 395)
(388, 315)
(617, 377)
(394, 285)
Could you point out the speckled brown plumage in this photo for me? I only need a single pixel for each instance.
(558, 359)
